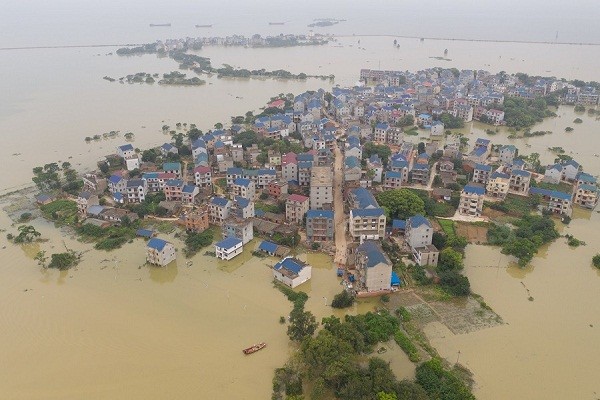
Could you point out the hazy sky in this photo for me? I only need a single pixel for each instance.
(44, 22)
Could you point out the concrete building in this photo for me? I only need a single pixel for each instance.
(203, 176)
(296, 207)
(498, 185)
(136, 190)
(321, 188)
(471, 201)
(85, 200)
(320, 225)
(367, 223)
(481, 173)
(219, 208)
(238, 228)
(419, 236)
(160, 252)
(244, 188)
(508, 154)
(197, 220)
(292, 272)
(228, 248)
(373, 267)
(556, 202)
(519, 182)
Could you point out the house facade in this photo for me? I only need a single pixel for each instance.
(160, 252)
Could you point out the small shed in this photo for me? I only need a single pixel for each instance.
(145, 233)
(268, 247)
(395, 281)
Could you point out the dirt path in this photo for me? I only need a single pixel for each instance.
(338, 206)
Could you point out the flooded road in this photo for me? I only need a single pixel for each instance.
(547, 348)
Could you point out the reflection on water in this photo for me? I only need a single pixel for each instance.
(165, 274)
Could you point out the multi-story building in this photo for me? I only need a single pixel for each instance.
(203, 176)
(173, 168)
(117, 184)
(238, 228)
(519, 182)
(419, 236)
(244, 188)
(242, 208)
(556, 202)
(292, 272)
(197, 220)
(219, 208)
(296, 207)
(126, 151)
(85, 200)
(160, 252)
(277, 188)
(586, 191)
(481, 173)
(321, 187)
(392, 180)
(508, 154)
(373, 267)
(471, 201)
(173, 189)
(136, 190)
(189, 193)
(367, 223)
(498, 185)
(228, 248)
(420, 173)
(320, 225)
(289, 167)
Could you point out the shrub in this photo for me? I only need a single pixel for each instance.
(407, 346)
(342, 300)
(596, 261)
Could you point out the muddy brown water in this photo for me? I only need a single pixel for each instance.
(547, 348)
(113, 327)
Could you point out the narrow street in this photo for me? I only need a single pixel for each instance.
(338, 206)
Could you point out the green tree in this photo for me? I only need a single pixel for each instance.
(302, 324)
(63, 261)
(401, 203)
(342, 300)
(27, 234)
(455, 283)
(596, 261)
(450, 260)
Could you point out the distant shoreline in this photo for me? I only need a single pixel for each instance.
(338, 36)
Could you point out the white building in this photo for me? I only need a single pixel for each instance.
(160, 252)
(228, 248)
(292, 272)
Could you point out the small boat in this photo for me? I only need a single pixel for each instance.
(203, 26)
(255, 348)
(276, 23)
(160, 24)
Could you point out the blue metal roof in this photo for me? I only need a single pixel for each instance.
(420, 166)
(144, 233)
(584, 177)
(172, 166)
(269, 247)
(242, 182)
(418, 220)
(352, 162)
(291, 264)
(399, 224)
(228, 242)
(395, 279)
(373, 252)
(591, 188)
(367, 212)
(242, 201)
(115, 179)
(550, 193)
(393, 174)
(174, 182)
(188, 188)
(483, 167)
(157, 244)
(219, 201)
(319, 214)
(520, 172)
(234, 171)
(126, 147)
(365, 198)
(474, 189)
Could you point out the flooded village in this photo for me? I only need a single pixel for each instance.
(369, 197)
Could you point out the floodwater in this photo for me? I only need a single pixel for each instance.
(115, 328)
(547, 348)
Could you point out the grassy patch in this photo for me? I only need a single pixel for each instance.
(407, 346)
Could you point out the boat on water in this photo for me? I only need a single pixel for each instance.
(203, 26)
(255, 348)
(276, 23)
(160, 24)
